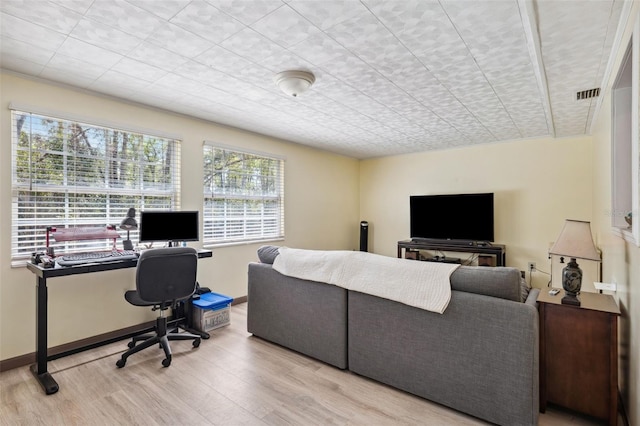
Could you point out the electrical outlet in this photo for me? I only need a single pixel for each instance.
(531, 266)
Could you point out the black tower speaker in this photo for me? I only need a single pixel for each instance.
(364, 236)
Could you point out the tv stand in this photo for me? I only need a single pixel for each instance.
(443, 259)
(497, 250)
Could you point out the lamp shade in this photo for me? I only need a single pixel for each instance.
(294, 83)
(575, 241)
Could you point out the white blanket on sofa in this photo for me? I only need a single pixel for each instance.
(424, 285)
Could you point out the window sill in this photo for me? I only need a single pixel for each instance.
(625, 234)
(240, 243)
(20, 263)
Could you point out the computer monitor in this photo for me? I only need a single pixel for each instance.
(168, 226)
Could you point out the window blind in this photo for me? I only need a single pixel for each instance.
(243, 196)
(72, 174)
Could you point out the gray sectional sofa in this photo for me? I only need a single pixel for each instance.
(479, 357)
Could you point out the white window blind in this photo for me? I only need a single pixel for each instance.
(71, 174)
(243, 196)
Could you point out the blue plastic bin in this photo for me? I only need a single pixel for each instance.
(211, 311)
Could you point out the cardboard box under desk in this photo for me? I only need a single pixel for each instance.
(211, 311)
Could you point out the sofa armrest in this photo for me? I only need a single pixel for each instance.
(533, 297)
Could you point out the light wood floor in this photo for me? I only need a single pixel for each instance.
(231, 379)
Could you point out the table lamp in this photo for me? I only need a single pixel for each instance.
(575, 242)
(129, 223)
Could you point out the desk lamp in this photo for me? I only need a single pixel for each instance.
(129, 223)
(575, 242)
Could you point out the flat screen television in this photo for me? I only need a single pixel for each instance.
(168, 226)
(463, 217)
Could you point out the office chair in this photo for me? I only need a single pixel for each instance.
(164, 277)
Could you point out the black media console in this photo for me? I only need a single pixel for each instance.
(494, 250)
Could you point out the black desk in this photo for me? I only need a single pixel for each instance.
(39, 369)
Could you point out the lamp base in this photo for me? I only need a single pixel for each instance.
(127, 245)
(570, 299)
(571, 282)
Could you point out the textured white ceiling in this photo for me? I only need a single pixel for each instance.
(392, 77)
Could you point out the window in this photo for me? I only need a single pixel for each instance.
(71, 174)
(625, 169)
(621, 144)
(243, 196)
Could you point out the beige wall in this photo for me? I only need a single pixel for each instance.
(621, 259)
(321, 206)
(537, 185)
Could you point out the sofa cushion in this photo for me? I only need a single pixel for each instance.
(268, 254)
(502, 282)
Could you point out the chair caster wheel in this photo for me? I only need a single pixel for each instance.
(196, 343)
(131, 344)
(120, 363)
(166, 362)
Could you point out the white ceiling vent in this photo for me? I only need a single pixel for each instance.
(587, 94)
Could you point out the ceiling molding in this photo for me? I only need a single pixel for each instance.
(530, 25)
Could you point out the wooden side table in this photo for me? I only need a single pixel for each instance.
(579, 354)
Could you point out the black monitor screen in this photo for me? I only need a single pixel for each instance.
(169, 226)
(466, 217)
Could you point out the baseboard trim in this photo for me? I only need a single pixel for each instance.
(30, 358)
(18, 361)
(238, 300)
(123, 333)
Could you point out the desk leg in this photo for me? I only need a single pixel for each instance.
(39, 370)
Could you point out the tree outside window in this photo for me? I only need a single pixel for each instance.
(71, 174)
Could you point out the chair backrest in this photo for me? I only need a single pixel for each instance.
(166, 274)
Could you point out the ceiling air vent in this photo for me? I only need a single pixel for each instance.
(587, 94)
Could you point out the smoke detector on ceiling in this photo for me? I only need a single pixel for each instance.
(587, 94)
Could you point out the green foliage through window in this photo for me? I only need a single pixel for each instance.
(243, 196)
(70, 174)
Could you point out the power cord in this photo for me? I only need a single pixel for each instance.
(533, 269)
(471, 259)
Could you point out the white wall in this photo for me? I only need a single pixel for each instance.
(621, 259)
(537, 185)
(321, 211)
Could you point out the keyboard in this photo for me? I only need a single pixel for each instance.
(96, 257)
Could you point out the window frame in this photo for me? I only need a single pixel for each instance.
(141, 193)
(279, 199)
(625, 139)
